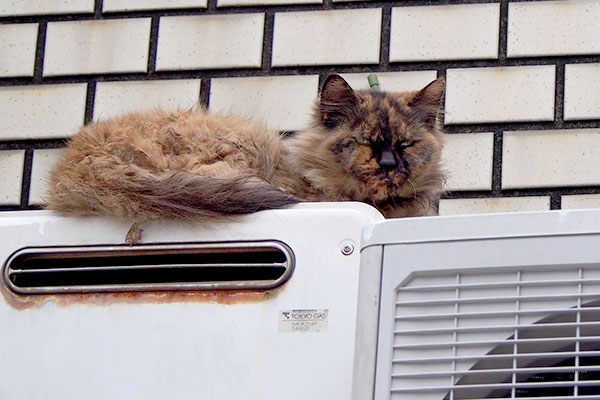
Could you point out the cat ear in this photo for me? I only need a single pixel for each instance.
(426, 102)
(431, 95)
(337, 101)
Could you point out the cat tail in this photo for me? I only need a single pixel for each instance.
(136, 193)
(184, 194)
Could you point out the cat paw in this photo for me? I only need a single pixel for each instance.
(134, 234)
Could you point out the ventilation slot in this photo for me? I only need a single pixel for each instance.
(527, 334)
(254, 265)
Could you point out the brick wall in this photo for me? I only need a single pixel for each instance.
(522, 96)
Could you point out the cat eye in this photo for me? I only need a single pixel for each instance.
(362, 140)
(406, 143)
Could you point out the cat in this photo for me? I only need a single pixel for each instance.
(375, 147)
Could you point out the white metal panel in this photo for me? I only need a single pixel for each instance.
(518, 224)
(182, 345)
(367, 326)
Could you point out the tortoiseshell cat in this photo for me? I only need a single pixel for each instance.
(375, 147)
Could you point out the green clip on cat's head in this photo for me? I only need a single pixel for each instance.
(374, 82)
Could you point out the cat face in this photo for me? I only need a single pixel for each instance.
(388, 144)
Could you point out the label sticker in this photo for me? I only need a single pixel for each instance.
(303, 320)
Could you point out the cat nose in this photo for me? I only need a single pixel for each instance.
(387, 159)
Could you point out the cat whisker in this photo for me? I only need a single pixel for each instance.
(413, 188)
(421, 125)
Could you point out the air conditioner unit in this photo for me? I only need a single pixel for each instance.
(295, 304)
(485, 307)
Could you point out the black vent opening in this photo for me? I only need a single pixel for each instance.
(544, 360)
(171, 267)
(567, 376)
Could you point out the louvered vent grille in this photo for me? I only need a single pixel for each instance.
(244, 265)
(501, 333)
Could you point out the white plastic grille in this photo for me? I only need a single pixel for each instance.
(501, 333)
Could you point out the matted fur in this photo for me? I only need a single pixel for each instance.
(340, 154)
(191, 164)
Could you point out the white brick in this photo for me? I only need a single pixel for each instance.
(11, 176)
(92, 47)
(494, 205)
(582, 91)
(467, 157)
(468, 31)
(549, 28)
(116, 98)
(283, 102)
(228, 3)
(507, 94)
(32, 7)
(131, 5)
(393, 81)
(211, 41)
(37, 112)
(327, 37)
(576, 201)
(551, 158)
(43, 161)
(17, 46)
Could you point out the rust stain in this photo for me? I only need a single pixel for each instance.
(224, 297)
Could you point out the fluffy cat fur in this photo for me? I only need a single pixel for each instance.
(375, 147)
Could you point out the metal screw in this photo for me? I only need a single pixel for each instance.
(347, 249)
